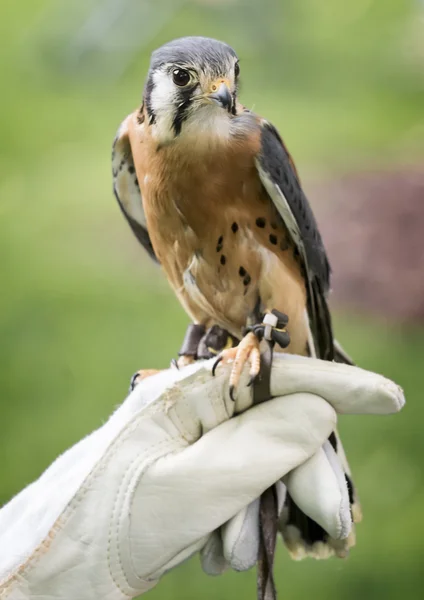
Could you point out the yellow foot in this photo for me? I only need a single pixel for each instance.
(246, 351)
(140, 375)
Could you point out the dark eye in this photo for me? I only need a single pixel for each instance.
(181, 77)
(236, 70)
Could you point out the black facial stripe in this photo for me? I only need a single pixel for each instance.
(185, 99)
(233, 106)
(147, 99)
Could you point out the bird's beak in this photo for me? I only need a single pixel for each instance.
(221, 94)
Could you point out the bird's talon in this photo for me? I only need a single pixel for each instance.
(246, 351)
(232, 390)
(215, 364)
(140, 375)
(133, 381)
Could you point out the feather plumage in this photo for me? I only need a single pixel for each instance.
(219, 204)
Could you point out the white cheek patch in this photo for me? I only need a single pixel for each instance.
(163, 102)
(204, 125)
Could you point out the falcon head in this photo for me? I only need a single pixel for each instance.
(191, 89)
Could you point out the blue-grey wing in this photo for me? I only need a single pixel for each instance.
(279, 178)
(127, 190)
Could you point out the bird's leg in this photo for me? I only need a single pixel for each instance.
(188, 351)
(214, 342)
(273, 329)
(186, 356)
(197, 345)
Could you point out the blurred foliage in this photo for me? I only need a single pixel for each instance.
(82, 308)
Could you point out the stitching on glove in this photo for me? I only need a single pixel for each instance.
(13, 578)
(9, 582)
(215, 399)
(161, 447)
(183, 430)
(218, 402)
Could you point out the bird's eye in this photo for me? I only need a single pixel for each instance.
(236, 70)
(181, 77)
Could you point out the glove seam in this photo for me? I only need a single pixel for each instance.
(219, 405)
(23, 569)
(182, 429)
(168, 444)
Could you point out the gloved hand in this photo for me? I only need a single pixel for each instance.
(151, 487)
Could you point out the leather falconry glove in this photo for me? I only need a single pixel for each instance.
(171, 467)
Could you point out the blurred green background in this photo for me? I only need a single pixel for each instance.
(82, 307)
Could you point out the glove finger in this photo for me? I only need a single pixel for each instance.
(240, 535)
(226, 469)
(350, 390)
(319, 489)
(212, 556)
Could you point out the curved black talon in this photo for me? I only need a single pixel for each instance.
(133, 381)
(215, 364)
(231, 392)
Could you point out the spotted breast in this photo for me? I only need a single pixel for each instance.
(222, 244)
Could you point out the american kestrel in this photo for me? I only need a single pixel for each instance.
(211, 192)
